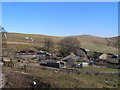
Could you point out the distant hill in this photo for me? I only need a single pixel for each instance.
(18, 41)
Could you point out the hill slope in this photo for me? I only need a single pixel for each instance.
(18, 41)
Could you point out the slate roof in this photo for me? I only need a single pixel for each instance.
(72, 56)
(48, 61)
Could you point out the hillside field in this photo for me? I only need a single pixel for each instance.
(17, 41)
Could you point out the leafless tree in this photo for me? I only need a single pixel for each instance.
(48, 44)
(108, 42)
(117, 42)
(68, 45)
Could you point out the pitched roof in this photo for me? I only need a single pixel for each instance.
(72, 56)
(48, 61)
(103, 56)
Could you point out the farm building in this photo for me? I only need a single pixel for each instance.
(42, 55)
(85, 64)
(26, 54)
(115, 56)
(56, 55)
(66, 62)
(31, 54)
(103, 56)
(52, 63)
(6, 59)
(81, 54)
(70, 60)
(96, 55)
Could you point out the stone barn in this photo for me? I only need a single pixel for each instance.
(70, 60)
(52, 63)
(30, 54)
(103, 56)
(81, 54)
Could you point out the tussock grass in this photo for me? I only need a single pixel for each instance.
(89, 42)
(64, 80)
(96, 69)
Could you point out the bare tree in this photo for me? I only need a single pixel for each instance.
(48, 44)
(108, 42)
(116, 43)
(68, 45)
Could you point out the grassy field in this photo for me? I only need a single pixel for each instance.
(100, 48)
(96, 69)
(64, 80)
(89, 42)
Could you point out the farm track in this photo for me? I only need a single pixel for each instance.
(17, 43)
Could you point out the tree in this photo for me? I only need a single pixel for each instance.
(108, 42)
(116, 43)
(48, 44)
(68, 45)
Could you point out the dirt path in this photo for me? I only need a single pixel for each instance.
(17, 43)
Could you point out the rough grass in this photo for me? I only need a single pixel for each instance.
(89, 42)
(64, 80)
(61, 79)
(100, 48)
(97, 69)
(18, 47)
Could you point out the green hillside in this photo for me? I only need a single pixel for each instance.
(17, 41)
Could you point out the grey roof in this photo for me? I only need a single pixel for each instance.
(48, 61)
(72, 56)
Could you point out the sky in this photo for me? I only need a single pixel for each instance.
(60, 0)
(61, 18)
(0, 13)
